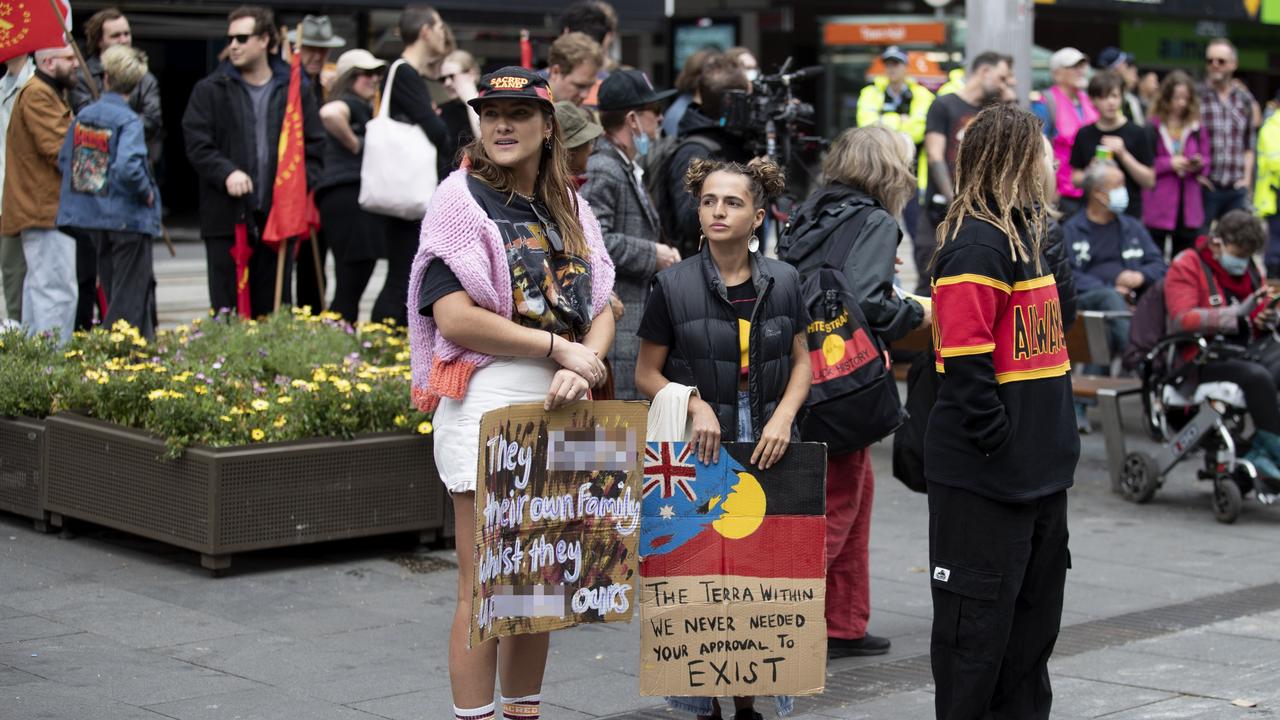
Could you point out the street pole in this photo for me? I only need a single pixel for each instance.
(1003, 26)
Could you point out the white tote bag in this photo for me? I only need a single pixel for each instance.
(398, 172)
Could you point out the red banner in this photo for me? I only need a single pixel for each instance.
(288, 218)
(30, 25)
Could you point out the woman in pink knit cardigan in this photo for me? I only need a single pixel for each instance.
(508, 304)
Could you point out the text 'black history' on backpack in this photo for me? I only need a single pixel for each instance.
(853, 401)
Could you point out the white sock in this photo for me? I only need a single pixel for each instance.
(528, 707)
(481, 713)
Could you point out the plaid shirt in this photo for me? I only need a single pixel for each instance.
(1231, 132)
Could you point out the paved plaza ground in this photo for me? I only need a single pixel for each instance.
(1168, 615)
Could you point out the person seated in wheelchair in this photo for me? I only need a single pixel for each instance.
(1217, 290)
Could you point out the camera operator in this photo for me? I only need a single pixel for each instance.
(700, 136)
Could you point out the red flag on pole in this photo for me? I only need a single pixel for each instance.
(526, 50)
(288, 217)
(30, 25)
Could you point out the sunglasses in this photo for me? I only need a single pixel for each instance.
(548, 226)
(239, 39)
(1216, 61)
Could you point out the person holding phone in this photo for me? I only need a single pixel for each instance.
(1245, 312)
(1173, 209)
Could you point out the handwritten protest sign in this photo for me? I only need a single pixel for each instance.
(557, 517)
(733, 593)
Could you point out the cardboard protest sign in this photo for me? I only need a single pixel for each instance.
(733, 593)
(557, 517)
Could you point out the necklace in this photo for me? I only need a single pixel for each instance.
(522, 196)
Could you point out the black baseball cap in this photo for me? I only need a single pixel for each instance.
(628, 90)
(513, 83)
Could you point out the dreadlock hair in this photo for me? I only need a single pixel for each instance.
(999, 180)
(765, 179)
(553, 188)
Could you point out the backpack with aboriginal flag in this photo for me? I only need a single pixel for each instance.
(853, 401)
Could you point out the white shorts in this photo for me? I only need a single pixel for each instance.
(505, 381)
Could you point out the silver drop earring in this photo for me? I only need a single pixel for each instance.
(753, 245)
(701, 239)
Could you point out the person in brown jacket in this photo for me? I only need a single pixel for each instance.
(32, 184)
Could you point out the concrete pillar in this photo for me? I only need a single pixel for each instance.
(1004, 26)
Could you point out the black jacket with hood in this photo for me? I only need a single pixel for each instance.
(217, 128)
(681, 225)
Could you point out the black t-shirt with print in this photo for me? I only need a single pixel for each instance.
(550, 290)
(1138, 141)
(655, 325)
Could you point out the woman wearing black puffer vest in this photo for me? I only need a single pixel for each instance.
(731, 323)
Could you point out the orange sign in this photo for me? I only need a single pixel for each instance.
(884, 33)
(920, 67)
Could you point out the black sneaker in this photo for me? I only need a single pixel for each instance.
(747, 714)
(866, 645)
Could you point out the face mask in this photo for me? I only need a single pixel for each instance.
(1118, 200)
(751, 74)
(1235, 266)
(642, 142)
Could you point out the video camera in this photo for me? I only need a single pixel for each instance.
(770, 118)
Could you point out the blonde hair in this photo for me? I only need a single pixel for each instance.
(125, 67)
(870, 159)
(553, 188)
(572, 49)
(1000, 180)
(465, 61)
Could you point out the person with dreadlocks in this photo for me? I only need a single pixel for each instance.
(1001, 445)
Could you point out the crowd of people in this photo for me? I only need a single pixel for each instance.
(591, 234)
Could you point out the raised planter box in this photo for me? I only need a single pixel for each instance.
(221, 501)
(22, 443)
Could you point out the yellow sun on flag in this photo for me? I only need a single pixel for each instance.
(744, 508)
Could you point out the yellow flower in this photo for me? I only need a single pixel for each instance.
(424, 427)
(319, 375)
(301, 384)
(280, 421)
(346, 406)
(257, 434)
(225, 418)
(103, 380)
(342, 386)
(68, 355)
(116, 337)
(201, 390)
(364, 387)
(156, 395)
(401, 420)
(260, 405)
(284, 400)
(131, 378)
(140, 342)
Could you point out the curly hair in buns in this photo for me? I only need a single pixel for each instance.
(764, 178)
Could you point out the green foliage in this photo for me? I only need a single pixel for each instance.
(220, 381)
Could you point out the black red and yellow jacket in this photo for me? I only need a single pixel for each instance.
(1003, 425)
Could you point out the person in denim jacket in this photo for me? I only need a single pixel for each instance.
(108, 191)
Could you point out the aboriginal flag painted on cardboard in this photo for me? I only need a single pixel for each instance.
(731, 518)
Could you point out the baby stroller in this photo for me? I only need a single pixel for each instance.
(1208, 420)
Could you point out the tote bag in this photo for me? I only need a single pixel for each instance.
(398, 172)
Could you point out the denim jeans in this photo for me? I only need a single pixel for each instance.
(1107, 299)
(1221, 200)
(49, 291)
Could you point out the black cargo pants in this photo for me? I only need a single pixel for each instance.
(997, 571)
